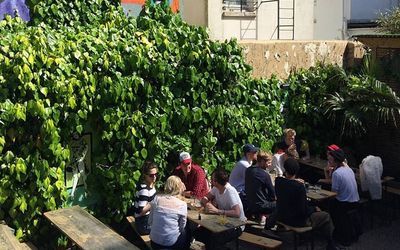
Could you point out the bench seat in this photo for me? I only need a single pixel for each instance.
(145, 238)
(260, 241)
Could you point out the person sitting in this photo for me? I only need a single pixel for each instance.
(292, 206)
(289, 138)
(344, 184)
(145, 193)
(237, 177)
(279, 158)
(168, 216)
(259, 188)
(371, 170)
(192, 175)
(223, 199)
(330, 166)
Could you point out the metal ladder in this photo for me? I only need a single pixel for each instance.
(286, 11)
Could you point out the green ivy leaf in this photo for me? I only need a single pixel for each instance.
(143, 153)
(19, 233)
(2, 143)
(23, 206)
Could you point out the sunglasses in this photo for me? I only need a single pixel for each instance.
(152, 175)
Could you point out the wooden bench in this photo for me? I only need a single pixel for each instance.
(86, 231)
(261, 241)
(393, 190)
(9, 241)
(395, 199)
(145, 238)
(297, 231)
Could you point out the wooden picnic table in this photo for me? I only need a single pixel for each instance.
(87, 231)
(314, 162)
(213, 222)
(320, 164)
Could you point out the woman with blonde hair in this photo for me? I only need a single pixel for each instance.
(168, 217)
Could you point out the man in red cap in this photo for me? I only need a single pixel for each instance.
(347, 227)
(192, 175)
(330, 166)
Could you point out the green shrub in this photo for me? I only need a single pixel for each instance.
(329, 105)
(389, 22)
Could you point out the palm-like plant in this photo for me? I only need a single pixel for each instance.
(364, 99)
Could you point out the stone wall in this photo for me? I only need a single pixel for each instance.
(282, 57)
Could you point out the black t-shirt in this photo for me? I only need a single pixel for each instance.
(258, 187)
(291, 202)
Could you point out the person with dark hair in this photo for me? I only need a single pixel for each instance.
(145, 192)
(192, 175)
(279, 158)
(293, 208)
(344, 184)
(223, 199)
(330, 167)
(260, 192)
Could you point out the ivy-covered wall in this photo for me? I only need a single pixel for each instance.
(146, 88)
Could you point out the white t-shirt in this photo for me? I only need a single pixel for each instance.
(277, 163)
(228, 199)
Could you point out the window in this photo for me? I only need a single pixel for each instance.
(239, 5)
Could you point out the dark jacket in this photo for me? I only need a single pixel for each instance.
(291, 203)
(258, 188)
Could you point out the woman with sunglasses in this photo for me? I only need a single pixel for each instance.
(145, 193)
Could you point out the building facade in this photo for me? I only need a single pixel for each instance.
(285, 19)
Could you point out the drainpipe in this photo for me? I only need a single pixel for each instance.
(344, 20)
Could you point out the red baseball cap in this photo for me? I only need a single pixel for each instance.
(333, 147)
(185, 158)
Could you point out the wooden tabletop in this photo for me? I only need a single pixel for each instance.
(314, 162)
(87, 231)
(320, 195)
(214, 223)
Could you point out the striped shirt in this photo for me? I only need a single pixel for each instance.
(143, 196)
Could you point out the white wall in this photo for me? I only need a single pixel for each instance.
(329, 21)
(267, 21)
(361, 31)
(264, 25)
(304, 20)
(214, 18)
(322, 20)
(195, 12)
